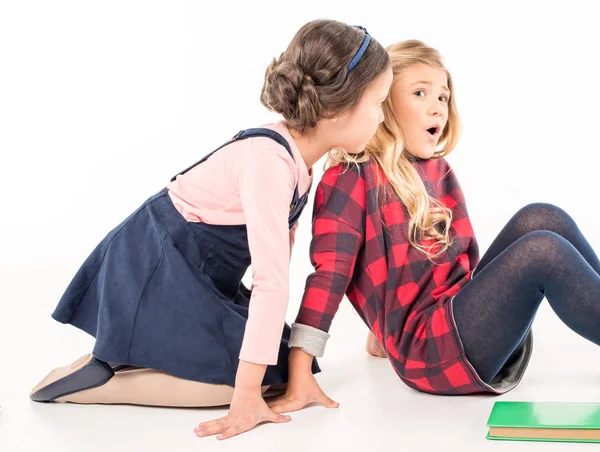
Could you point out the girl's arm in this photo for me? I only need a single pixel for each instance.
(338, 237)
(266, 185)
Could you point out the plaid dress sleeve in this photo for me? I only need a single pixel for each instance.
(337, 238)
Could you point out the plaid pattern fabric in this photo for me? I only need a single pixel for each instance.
(360, 248)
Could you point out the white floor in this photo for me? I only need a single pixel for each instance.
(377, 412)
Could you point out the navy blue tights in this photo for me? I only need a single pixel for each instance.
(539, 253)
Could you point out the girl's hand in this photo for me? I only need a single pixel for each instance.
(302, 390)
(245, 413)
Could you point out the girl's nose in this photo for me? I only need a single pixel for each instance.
(435, 108)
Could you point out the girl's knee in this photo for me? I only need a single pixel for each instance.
(541, 216)
(541, 247)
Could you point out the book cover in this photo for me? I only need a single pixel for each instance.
(545, 421)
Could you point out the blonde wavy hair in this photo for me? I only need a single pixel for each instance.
(429, 219)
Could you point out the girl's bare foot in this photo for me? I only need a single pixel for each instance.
(373, 347)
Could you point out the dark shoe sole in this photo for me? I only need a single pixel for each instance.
(95, 373)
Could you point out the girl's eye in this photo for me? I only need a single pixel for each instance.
(444, 99)
(419, 91)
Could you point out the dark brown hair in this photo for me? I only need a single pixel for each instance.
(309, 81)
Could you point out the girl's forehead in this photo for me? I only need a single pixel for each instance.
(423, 73)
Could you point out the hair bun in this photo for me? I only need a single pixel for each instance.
(289, 91)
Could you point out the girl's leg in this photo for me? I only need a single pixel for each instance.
(143, 386)
(153, 388)
(538, 217)
(494, 311)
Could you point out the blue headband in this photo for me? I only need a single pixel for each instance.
(361, 50)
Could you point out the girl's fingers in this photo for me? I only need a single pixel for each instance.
(326, 401)
(226, 427)
(210, 423)
(209, 428)
(285, 406)
(279, 418)
(231, 431)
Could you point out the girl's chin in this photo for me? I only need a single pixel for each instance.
(424, 154)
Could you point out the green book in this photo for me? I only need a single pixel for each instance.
(545, 421)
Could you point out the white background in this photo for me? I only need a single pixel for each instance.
(102, 102)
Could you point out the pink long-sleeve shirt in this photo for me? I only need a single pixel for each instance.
(252, 182)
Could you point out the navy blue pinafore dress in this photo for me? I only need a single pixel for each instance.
(164, 293)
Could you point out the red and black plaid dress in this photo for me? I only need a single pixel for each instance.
(360, 248)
